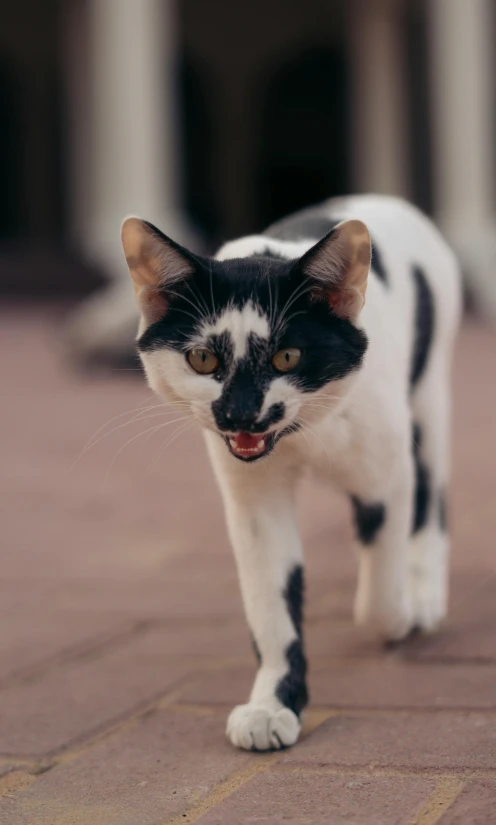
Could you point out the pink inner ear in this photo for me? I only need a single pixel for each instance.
(153, 305)
(341, 301)
(337, 301)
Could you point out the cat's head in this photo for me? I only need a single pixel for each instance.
(255, 347)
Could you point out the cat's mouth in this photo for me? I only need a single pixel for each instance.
(250, 446)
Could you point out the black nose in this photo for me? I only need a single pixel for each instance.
(238, 407)
(237, 414)
(240, 420)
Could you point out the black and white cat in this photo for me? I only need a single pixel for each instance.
(308, 347)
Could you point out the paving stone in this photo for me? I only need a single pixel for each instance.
(364, 684)
(472, 639)
(332, 636)
(441, 741)
(74, 700)
(13, 780)
(476, 805)
(155, 770)
(82, 556)
(141, 599)
(228, 686)
(37, 642)
(7, 768)
(389, 683)
(470, 632)
(307, 798)
(30, 637)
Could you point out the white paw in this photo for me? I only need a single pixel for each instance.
(393, 619)
(428, 580)
(254, 727)
(429, 602)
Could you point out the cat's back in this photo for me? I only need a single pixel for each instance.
(411, 261)
(413, 269)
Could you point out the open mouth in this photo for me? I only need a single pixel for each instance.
(250, 446)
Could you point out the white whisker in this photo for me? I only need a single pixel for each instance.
(168, 442)
(155, 428)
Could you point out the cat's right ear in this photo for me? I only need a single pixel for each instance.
(155, 264)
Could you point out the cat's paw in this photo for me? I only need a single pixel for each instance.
(392, 619)
(428, 579)
(429, 603)
(255, 727)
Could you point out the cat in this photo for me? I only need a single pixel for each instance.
(323, 343)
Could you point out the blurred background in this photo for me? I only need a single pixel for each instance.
(210, 118)
(213, 119)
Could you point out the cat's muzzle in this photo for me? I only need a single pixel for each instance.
(250, 446)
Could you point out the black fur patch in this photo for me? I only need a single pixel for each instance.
(377, 265)
(424, 325)
(293, 596)
(443, 512)
(256, 649)
(368, 518)
(292, 689)
(269, 253)
(422, 494)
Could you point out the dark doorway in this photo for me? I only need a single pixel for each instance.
(303, 140)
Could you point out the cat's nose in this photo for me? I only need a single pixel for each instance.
(240, 420)
(238, 408)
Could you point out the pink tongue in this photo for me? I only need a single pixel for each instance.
(246, 441)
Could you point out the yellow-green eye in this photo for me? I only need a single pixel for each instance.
(202, 360)
(286, 359)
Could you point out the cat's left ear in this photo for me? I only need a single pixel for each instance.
(156, 264)
(339, 264)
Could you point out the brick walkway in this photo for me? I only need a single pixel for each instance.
(122, 642)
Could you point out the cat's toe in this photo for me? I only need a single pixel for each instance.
(254, 727)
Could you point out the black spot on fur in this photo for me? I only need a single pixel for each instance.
(269, 253)
(293, 596)
(422, 494)
(369, 519)
(275, 413)
(424, 325)
(416, 439)
(256, 650)
(377, 265)
(292, 689)
(443, 512)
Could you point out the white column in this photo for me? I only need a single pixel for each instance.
(462, 43)
(380, 126)
(132, 158)
(134, 118)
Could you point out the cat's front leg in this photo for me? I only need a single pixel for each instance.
(383, 524)
(268, 554)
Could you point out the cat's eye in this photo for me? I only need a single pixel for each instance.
(203, 360)
(286, 359)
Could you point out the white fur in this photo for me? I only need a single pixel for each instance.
(240, 323)
(244, 247)
(356, 435)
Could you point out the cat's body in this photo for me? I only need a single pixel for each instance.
(307, 377)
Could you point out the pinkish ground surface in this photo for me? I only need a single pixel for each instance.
(123, 645)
